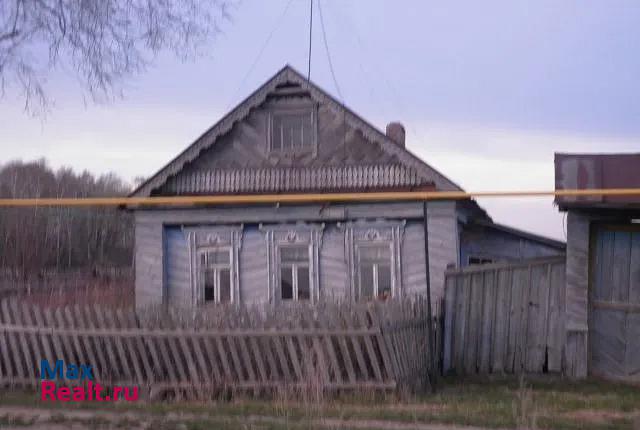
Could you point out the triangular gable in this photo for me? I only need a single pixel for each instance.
(257, 98)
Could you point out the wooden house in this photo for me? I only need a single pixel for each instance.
(603, 265)
(290, 136)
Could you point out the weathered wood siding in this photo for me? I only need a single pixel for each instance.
(334, 273)
(443, 243)
(247, 144)
(177, 266)
(442, 250)
(148, 261)
(505, 318)
(164, 274)
(253, 267)
(484, 242)
(577, 294)
(414, 274)
(614, 317)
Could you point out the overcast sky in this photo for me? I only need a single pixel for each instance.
(488, 91)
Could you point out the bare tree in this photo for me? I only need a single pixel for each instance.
(37, 239)
(103, 41)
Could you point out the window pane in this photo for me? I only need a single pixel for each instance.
(287, 134)
(225, 285)
(286, 283)
(384, 281)
(375, 252)
(291, 130)
(291, 254)
(366, 281)
(209, 283)
(307, 138)
(304, 292)
(218, 256)
(276, 134)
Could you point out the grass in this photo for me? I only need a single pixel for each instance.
(493, 403)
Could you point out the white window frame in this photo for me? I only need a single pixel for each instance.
(375, 264)
(217, 267)
(294, 110)
(281, 235)
(363, 233)
(293, 266)
(205, 238)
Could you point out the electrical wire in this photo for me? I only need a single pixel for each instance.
(326, 47)
(335, 83)
(310, 39)
(262, 49)
(391, 89)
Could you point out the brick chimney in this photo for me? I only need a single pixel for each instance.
(395, 132)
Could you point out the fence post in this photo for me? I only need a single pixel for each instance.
(432, 371)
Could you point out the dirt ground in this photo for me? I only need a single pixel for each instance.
(17, 417)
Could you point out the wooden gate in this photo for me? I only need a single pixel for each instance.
(614, 324)
(505, 317)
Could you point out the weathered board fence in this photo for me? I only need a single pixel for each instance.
(331, 347)
(505, 317)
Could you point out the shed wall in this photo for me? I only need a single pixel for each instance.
(499, 246)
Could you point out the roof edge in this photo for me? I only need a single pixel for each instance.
(554, 243)
(288, 73)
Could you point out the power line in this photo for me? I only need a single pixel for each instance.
(391, 89)
(310, 38)
(326, 47)
(262, 48)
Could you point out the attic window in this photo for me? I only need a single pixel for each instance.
(292, 131)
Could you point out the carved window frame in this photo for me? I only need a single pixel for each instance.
(363, 233)
(283, 108)
(282, 235)
(202, 239)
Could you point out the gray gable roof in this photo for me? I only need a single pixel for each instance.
(289, 75)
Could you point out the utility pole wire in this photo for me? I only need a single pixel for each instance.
(262, 49)
(326, 47)
(310, 38)
(335, 83)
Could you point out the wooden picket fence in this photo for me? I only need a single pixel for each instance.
(378, 346)
(505, 317)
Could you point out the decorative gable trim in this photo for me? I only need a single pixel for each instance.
(296, 180)
(290, 75)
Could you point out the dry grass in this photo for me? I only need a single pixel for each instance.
(87, 290)
(497, 403)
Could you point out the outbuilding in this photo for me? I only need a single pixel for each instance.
(603, 265)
